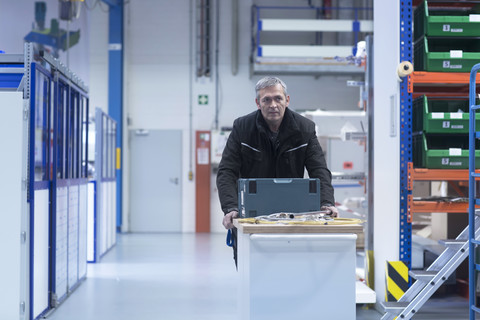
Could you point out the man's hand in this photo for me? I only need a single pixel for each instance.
(228, 219)
(333, 211)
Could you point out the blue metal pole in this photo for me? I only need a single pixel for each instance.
(405, 250)
(115, 89)
(471, 191)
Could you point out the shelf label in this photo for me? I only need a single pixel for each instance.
(446, 124)
(447, 65)
(114, 46)
(474, 18)
(456, 54)
(454, 152)
(459, 30)
(446, 28)
(438, 115)
(456, 115)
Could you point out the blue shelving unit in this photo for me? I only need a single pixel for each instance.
(405, 250)
(55, 140)
(473, 243)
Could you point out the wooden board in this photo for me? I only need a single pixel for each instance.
(284, 228)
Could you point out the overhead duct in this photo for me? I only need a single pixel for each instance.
(203, 26)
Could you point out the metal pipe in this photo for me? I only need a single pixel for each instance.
(369, 89)
(200, 37)
(217, 38)
(234, 37)
(68, 44)
(206, 39)
(190, 93)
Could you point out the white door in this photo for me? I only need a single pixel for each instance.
(155, 180)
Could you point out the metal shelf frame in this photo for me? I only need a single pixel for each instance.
(406, 43)
(472, 201)
(306, 59)
(47, 145)
(438, 174)
(416, 84)
(454, 84)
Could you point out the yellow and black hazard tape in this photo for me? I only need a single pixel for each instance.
(397, 280)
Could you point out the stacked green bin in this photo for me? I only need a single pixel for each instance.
(446, 54)
(460, 21)
(443, 116)
(441, 151)
(447, 38)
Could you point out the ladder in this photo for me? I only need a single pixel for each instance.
(472, 201)
(428, 281)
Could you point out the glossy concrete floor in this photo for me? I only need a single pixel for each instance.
(182, 277)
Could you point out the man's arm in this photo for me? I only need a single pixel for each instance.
(317, 168)
(228, 174)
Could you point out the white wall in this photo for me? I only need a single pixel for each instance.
(157, 80)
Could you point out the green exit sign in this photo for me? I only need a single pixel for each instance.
(202, 99)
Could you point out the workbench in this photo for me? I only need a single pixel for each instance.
(297, 271)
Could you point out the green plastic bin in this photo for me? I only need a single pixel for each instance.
(442, 151)
(441, 116)
(460, 20)
(446, 54)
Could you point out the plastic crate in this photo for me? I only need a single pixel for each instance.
(446, 54)
(441, 116)
(442, 151)
(273, 195)
(456, 19)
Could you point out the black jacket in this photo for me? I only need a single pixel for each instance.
(249, 153)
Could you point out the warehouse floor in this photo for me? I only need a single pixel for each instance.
(182, 277)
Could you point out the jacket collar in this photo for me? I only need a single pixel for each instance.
(288, 127)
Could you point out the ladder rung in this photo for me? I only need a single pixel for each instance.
(477, 266)
(422, 275)
(452, 243)
(475, 107)
(394, 307)
(476, 175)
(477, 134)
(477, 202)
(477, 310)
(477, 242)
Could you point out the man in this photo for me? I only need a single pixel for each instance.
(272, 142)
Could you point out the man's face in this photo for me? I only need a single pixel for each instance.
(272, 102)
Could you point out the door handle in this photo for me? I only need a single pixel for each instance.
(142, 132)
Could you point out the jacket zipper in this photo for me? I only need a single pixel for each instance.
(293, 149)
(246, 145)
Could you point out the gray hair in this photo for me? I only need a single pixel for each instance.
(269, 82)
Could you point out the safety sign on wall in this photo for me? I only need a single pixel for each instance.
(202, 99)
